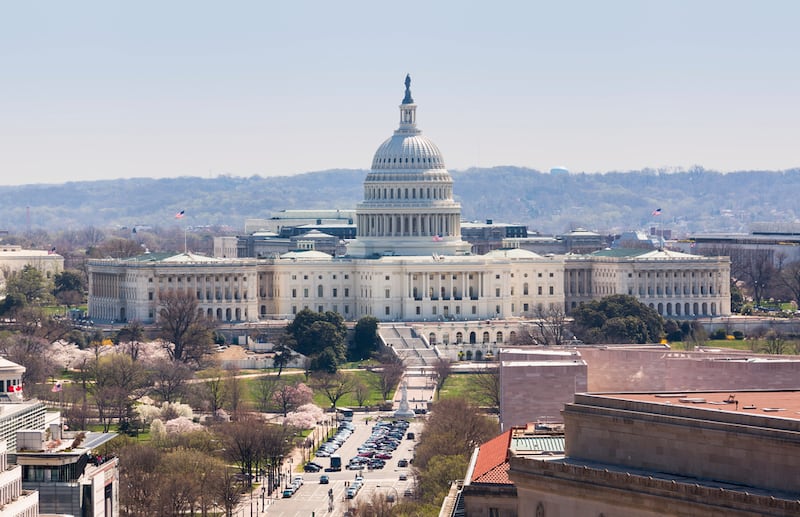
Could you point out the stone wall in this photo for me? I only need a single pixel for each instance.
(533, 391)
(747, 450)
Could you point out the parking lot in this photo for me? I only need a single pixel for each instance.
(364, 479)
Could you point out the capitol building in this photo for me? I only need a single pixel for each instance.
(408, 262)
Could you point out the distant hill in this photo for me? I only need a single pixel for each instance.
(696, 200)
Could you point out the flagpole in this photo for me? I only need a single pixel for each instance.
(185, 249)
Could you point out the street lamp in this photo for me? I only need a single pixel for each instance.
(396, 494)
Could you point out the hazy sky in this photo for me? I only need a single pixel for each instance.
(94, 90)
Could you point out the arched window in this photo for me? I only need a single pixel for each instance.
(485, 337)
(499, 337)
(525, 288)
(472, 338)
(459, 338)
(431, 339)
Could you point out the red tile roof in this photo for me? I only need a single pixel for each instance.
(491, 465)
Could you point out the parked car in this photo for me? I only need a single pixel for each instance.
(402, 463)
(324, 480)
(311, 467)
(288, 492)
(403, 476)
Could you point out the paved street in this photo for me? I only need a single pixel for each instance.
(312, 497)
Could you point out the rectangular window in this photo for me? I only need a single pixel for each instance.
(305, 277)
(387, 293)
(346, 292)
(294, 293)
(419, 310)
(497, 292)
(458, 309)
(305, 292)
(346, 277)
(539, 289)
(294, 309)
(149, 296)
(347, 309)
(335, 292)
(387, 277)
(386, 310)
(433, 310)
(552, 289)
(497, 277)
(474, 309)
(320, 309)
(524, 307)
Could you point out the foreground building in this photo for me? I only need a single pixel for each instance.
(408, 261)
(643, 455)
(45, 470)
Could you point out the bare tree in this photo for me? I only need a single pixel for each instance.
(442, 369)
(214, 391)
(234, 389)
(790, 278)
(775, 343)
(227, 492)
(360, 392)
(187, 334)
(139, 480)
(130, 338)
(31, 352)
(265, 388)
(388, 376)
(333, 385)
(242, 441)
(487, 386)
(118, 381)
(550, 325)
(169, 379)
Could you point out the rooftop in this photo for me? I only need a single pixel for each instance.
(780, 404)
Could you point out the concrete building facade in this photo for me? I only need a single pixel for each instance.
(643, 455)
(408, 262)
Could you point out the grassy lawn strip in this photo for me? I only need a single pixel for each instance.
(463, 385)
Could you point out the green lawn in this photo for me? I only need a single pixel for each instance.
(349, 400)
(463, 385)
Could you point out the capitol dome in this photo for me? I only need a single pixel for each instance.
(408, 207)
(404, 151)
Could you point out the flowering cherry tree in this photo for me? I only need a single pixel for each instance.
(291, 396)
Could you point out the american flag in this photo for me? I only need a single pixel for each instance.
(437, 238)
(657, 211)
(180, 214)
